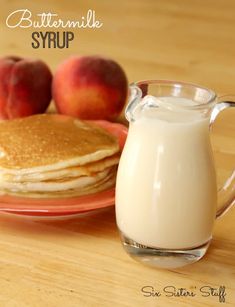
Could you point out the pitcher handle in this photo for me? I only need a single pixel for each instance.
(226, 194)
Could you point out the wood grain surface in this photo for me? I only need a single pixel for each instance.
(81, 262)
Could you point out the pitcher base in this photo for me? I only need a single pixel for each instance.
(163, 258)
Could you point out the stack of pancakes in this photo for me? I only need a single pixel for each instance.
(55, 156)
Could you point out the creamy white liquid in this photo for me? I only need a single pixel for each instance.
(166, 190)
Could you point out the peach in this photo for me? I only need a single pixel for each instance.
(90, 87)
(25, 87)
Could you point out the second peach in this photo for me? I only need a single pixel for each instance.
(90, 87)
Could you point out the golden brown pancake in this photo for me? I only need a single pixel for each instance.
(55, 156)
(55, 185)
(98, 186)
(50, 142)
(74, 171)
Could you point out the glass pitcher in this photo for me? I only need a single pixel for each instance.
(166, 190)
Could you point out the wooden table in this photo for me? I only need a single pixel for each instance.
(81, 262)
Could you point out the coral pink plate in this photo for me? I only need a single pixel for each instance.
(65, 207)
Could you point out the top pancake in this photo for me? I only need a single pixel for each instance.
(51, 141)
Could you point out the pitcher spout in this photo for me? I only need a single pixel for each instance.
(134, 99)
